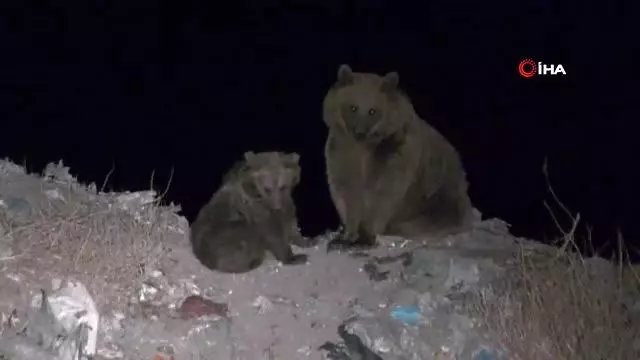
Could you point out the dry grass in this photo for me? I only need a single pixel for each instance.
(558, 306)
(559, 310)
(92, 235)
(110, 242)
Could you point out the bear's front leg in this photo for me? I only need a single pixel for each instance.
(346, 184)
(275, 237)
(388, 192)
(353, 231)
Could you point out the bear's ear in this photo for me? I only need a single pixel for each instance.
(345, 74)
(390, 81)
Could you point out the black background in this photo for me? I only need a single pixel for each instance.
(190, 86)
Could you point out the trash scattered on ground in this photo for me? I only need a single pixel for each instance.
(119, 281)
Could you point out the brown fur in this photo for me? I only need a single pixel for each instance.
(389, 171)
(253, 212)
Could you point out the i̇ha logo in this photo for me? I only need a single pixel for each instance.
(528, 68)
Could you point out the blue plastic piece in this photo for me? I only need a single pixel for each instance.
(409, 315)
(486, 354)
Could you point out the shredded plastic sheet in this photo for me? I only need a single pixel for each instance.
(62, 326)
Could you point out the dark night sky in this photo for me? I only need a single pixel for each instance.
(153, 86)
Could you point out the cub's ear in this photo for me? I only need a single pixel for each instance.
(294, 158)
(345, 74)
(390, 81)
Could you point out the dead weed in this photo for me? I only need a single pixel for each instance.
(94, 237)
(555, 306)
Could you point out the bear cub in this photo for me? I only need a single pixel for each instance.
(253, 212)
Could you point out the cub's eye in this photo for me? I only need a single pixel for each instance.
(372, 111)
(354, 108)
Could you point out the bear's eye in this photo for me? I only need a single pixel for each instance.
(372, 111)
(354, 108)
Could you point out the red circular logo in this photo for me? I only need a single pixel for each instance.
(527, 68)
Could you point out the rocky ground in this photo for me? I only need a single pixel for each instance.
(124, 262)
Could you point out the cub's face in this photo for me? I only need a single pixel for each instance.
(367, 103)
(272, 176)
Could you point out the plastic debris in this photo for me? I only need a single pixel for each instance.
(17, 205)
(58, 173)
(352, 347)
(135, 200)
(164, 352)
(74, 308)
(195, 306)
(7, 167)
(409, 315)
(263, 304)
(486, 354)
(45, 337)
(374, 272)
